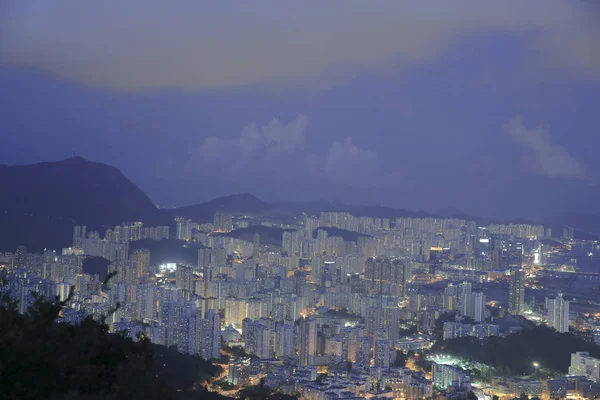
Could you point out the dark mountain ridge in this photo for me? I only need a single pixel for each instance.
(41, 202)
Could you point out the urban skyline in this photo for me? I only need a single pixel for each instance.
(277, 200)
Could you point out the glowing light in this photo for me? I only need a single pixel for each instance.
(168, 267)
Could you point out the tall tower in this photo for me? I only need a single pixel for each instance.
(478, 304)
(211, 335)
(464, 298)
(21, 257)
(308, 341)
(184, 278)
(141, 262)
(516, 291)
(558, 314)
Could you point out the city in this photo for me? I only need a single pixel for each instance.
(343, 305)
(299, 200)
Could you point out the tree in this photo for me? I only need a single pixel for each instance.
(401, 359)
(263, 392)
(43, 358)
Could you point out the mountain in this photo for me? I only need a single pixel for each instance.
(42, 202)
(243, 203)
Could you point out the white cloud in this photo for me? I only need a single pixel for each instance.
(253, 145)
(137, 44)
(544, 157)
(347, 164)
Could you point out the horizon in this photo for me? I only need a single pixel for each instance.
(439, 212)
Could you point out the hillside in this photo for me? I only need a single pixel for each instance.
(42, 202)
(268, 235)
(515, 353)
(235, 204)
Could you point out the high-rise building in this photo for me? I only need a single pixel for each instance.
(141, 261)
(516, 292)
(203, 257)
(146, 301)
(558, 314)
(184, 278)
(363, 352)
(513, 256)
(308, 341)
(76, 236)
(284, 339)
(381, 354)
(464, 298)
(223, 222)
(349, 337)
(21, 257)
(568, 233)
(478, 306)
(446, 375)
(210, 345)
(184, 229)
(584, 365)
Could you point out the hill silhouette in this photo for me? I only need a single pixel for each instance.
(43, 201)
(243, 203)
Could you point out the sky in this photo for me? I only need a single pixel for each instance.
(486, 106)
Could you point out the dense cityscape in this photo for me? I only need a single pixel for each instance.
(341, 306)
(296, 200)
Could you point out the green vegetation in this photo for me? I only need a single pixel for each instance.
(263, 392)
(401, 359)
(343, 314)
(516, 353)
(41, 358)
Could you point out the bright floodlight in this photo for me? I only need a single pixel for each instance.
(535, 364)
(168, 267)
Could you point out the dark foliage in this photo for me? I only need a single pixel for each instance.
(516, 353)
(268, 235)
(401, 359)
(43, 359)
(168, 251)
(263, 392)
(96, 266)
(348, 236)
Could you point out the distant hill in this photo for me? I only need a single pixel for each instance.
(168, 251)
(42, 202)
(96, 266)
(243, 203)
(348, 236)
(248, 204)
(268, 235)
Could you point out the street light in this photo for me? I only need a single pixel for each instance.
(537, 367)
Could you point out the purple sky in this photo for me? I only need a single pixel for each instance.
(487, 106)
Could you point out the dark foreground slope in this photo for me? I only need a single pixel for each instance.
(42, 359)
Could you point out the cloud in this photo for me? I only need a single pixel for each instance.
(192, 45)
(346, 164)
(544, 157)
(252, 147)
